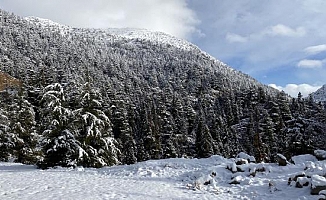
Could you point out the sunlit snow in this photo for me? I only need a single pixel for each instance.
(159, 179)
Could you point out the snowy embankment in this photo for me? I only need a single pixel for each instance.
(164, 179)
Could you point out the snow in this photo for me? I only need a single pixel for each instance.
(246, 156)
(323, 192)
(303, 180)
(281, 156)
(318, 168)
(301, 159)
(157, 37)
(178, 178)
(232, 167)
(127, 33)
(48, 24)
(317, 180)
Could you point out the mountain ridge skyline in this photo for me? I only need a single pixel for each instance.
(287, 52)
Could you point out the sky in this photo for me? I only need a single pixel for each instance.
(280, 43)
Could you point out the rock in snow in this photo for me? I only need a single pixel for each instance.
(320, 154)
(318, 183)
(281, 160)
(246, 156)
(302, 181)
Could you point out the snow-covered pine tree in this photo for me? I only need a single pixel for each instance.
(271, 148)
(145, 138)
(147, 68)
(168, 137)
(24, 126)
(180, 126)
(94, 130)
(7, 138)
(122, 131)
(60, 147)
(204, 140)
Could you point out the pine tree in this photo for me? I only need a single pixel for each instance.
(94, 131)
(271, 148)
(122, 132)
(169, 139)
(146, 141)
(7, 138)
(60, 146)
(204, 140)
(180, 126)
(24, 126)
(257, 138)
(249, 136)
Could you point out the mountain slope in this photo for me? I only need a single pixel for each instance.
(137, 37)
(103, 97)
(320, 94)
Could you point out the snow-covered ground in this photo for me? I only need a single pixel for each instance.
(160, 179)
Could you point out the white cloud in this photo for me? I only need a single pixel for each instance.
(277, 30)
(282, 30)
(231, 37)
(311, 64)
(315, 49)
(273, 43)
(316, 6)
(294, 89)
(170, 16)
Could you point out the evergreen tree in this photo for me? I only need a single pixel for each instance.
(94, 131)
(271, 148)
(60, 146)
(146, 141)
(180, 127)
(122, 132)
(161, 92)
(7, 138)
(249, 136)
(203, 140)
(24, 126)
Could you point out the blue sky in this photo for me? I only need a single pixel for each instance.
(280, 43)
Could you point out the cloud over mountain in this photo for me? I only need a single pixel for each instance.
(294, 89)
(173, 17)
(266, 39)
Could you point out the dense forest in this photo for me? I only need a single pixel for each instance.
(94, 98)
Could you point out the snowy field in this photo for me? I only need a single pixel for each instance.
(161, 179)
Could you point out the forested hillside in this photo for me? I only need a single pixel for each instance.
(320, 94)
(102, 97)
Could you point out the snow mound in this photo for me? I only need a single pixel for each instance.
(317, 180)
(301, 159)
(246, 156)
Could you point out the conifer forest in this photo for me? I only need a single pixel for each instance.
(94, 98)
